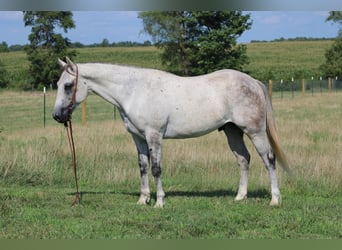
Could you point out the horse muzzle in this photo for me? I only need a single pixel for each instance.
(62, 116)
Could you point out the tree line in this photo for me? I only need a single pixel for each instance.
(17, 47)
(282, 39)
(105, 43)
(192, 42)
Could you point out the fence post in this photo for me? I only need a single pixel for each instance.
(329, 85)
(44, 109)
(281, 88)
(270, 87)
(84, 113)
(303, 87)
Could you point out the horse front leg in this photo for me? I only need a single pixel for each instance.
(154, 141)
(143, 160)
(144, 188)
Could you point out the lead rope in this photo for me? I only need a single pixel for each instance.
(68, 126)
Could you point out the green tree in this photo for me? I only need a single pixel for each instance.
(46, 45)
(3, 47)
(335, 16)
(333, 56)
(105, 43)
(198, 42)
(3, 74)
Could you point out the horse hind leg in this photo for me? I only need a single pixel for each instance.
(238, 147)
(264, 149)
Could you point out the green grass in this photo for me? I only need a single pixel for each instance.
(284, 60)
(200, 178)
(147, 57)
(208, 214)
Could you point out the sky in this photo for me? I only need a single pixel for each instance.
(94, 26)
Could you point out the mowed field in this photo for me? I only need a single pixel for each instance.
(200, 177)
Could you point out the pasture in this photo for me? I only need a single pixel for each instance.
(200, 177)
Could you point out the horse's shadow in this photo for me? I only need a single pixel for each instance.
(261, 193)
(258, 193)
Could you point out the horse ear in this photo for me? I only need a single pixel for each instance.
(61, 63)
(71, 64)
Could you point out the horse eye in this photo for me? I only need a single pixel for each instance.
(68, 86)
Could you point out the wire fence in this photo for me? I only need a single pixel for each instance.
(299, 88)
(33, 109)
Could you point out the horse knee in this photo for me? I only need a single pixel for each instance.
(243, 160)
(156, 170)
(143, 165)
(143, 169)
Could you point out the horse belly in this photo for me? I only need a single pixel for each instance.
(175, 132)
(187, 122)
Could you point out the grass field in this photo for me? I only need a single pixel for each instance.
(200, 178)
(284, 60)
(268, 60)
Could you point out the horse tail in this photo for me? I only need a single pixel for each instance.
(272, 133)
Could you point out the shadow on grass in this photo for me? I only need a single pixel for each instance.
(259, 193)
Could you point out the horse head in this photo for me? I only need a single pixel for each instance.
(69, 94)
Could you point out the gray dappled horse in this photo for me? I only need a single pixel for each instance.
(155, 105)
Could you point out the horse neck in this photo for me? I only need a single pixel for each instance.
(108, 81)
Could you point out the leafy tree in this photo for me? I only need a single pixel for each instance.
(333, 56)
(3, 73)
(46, 45)
(198, 42)
(335, 16)
(333, 60)
(3, 47)
(105, 43)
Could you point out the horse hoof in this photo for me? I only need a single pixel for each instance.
(241, 197)
(275, 202)
(143, 200)
(160, 203)
(140, 202)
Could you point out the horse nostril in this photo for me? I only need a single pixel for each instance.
(56, 117)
